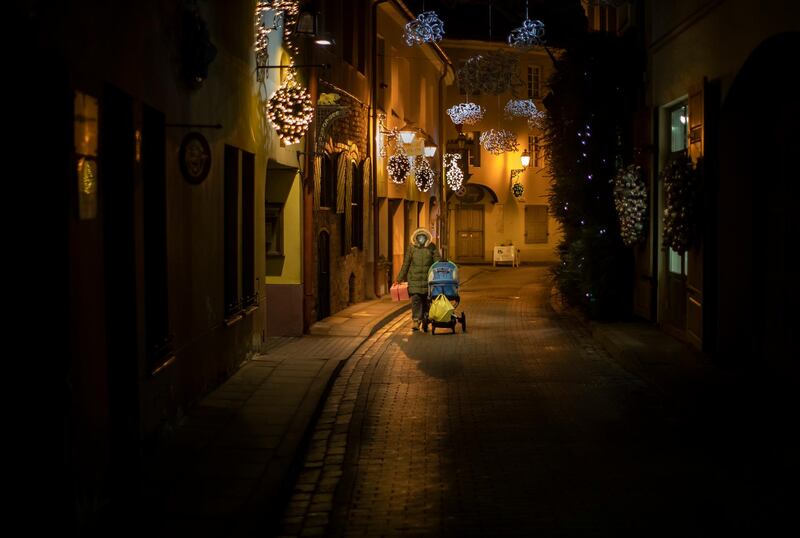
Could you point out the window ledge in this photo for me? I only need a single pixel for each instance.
(168, 360)
(233, 319)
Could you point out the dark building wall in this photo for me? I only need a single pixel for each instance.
(131, 53)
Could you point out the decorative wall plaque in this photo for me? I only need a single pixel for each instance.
(195, 158)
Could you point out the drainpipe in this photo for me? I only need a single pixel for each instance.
(373, 131)
(309, 267)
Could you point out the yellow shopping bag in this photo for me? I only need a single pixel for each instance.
(441, 309)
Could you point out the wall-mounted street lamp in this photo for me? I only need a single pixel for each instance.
(430, 151)
(407, 136)
(525, 159)
(309, 25)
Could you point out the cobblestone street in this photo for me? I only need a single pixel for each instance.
(522, 426)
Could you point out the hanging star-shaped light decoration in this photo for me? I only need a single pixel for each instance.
(465, 113)
(529, 35)
(426, 28)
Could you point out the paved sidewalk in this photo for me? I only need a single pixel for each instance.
(232, 461)
(226, 471)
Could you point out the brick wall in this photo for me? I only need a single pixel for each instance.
(348, 133)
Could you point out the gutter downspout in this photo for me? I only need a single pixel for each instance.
(376, 223)
(308, 265)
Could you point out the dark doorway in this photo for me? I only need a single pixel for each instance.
(323, 276)
(758, 192)
(117, 151)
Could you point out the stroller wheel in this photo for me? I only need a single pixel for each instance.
(463, 322)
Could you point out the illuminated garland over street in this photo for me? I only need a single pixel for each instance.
(521, 108)
(455, 176)
(492, 72)
(398, 166)
(426, 28)
(465, 113)
(291, 110)
(498, 141)
(527, 36)
(423, 174)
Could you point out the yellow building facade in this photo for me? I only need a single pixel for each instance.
(488, 215)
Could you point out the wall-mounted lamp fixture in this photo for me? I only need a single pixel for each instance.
(430, 151)
(525, 159)
(324, 39)
(407, 136)
(307, 24)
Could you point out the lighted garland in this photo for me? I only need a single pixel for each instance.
(527, 36)
(630, 199)
(492, 72)
(398, 166)
(289, 10)
(498, 141)
(291, 110)
(521, 108)
(423, 174)
(426, 28)
(261, 47)
(681, 186)
(466, 113)
(454, 174)
(537, 121)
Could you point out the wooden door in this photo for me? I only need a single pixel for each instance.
(323, 276)
(694, 257)
(469, 233)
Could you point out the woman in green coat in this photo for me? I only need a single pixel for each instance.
(421, 254)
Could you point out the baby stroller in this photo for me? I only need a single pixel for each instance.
(443, 279)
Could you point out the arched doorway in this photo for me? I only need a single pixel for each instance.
(470, 222)
(758, 193)
(323, 275)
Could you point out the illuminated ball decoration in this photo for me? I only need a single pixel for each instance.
(498, 141)
(630, 200)
(291, 110)
(454, 174)
(465, 113)
(426, 28)
(398, 167)
(423, 174)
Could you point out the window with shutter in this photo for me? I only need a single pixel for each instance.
(536, 224)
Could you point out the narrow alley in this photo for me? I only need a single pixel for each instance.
(526, 426)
